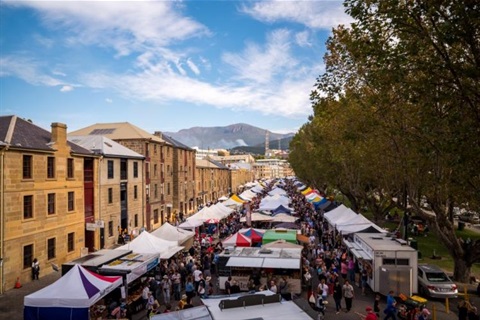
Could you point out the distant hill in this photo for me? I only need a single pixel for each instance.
(228, 137)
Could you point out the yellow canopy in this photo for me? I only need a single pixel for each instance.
(236, 199)
(308, 190)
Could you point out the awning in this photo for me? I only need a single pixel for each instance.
(360, 254)
(244, 262)
(279, 263)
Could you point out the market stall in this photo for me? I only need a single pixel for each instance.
(94, 261)
(71, 296)
(182, 236)
(391, 263)
(277, 234)
(147, 243)
(271, 263)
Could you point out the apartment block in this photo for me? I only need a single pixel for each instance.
(121, 199)
(158, 164)
(44, 182)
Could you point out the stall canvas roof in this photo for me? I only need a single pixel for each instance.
(281, 263)
(244, 262)
(78, 288)
(268, 311)
(136, 264)
(287, 235)
(169, 232)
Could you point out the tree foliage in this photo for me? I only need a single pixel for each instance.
(396, 115)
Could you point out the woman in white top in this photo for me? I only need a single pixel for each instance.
(323, 289)
(273, 286)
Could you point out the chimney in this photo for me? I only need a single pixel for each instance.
(59, 133)
(158, 134)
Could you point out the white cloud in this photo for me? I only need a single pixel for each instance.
(108, 100)
(122, 25)
(302, 39)
(313, 14)
(66, 88)
(262, 64)
(193, 67)
(43, 41)
(27, 69)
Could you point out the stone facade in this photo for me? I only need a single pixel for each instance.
(38, 218)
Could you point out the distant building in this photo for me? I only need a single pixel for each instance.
(272, 168)
(203, 153)
(213, 180)
(184, 175)
(121, 199)
(240, 173)
(46, 198)
(158, 166)
(238, 158)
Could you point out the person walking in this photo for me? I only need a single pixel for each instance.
(166, 288)
(177, 285)
(348, 295)
(35, 269)
(391, 309)
(337, 295)
(323, 289)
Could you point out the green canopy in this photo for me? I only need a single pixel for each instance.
(273, 235)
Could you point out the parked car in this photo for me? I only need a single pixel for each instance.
(434, 282)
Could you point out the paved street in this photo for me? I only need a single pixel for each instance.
(11, 303)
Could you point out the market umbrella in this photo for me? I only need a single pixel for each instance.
(253, 234)
(237, 240)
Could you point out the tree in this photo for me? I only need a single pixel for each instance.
(403, 85)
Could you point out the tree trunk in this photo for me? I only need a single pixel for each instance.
(461, 271)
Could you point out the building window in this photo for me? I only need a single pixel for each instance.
(135, 169)
(51, 203)
(154, 170)
(27, 167)
(123, 169)
(168, 189)
(110, 228)
(71, 201)
(110, 169)
(71, 242)
(50, 167)
(51, 248)
(110, 195)
(27, 207)
(27, 256)
(135, 192)
(155, 191)
(155, 216)
(70, 168)
(135, 220)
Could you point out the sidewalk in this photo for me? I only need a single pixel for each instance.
(11, 302)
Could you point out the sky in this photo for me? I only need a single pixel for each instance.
(164, 65)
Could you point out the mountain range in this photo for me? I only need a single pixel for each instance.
(235, 136)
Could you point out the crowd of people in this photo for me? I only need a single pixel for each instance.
(325, 260)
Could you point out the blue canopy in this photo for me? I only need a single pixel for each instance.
(281, 209)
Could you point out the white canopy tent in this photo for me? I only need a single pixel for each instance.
(257, 216)
(147, 243)
(169, 232)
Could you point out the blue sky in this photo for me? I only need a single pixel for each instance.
(163, 65)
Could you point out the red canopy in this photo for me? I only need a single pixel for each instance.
(238, 240)
(253, 234)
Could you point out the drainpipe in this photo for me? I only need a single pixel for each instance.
(2, 219)
(99, 172)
